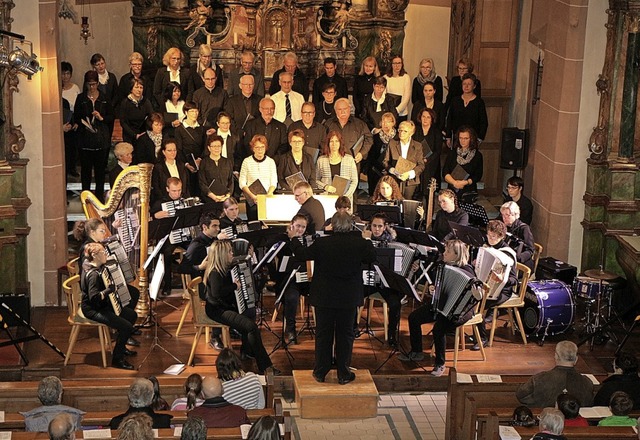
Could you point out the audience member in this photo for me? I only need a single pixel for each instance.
(551, 425)
(314, 132)
(140, 400)
(290, 64)
(136, 426)
(62, 427)
(570, 408)
(399, 84)
(620, 405)
(193, 390)
(194, 429)
(266, 125)
(625, 378)
(522, 416)
(159, 404)
(287, 101)
(240, 388)
(265, 428)
(50, 395)
(197, 72)
(246, 68)
(330, 76)
(542, 389)
(515, 186)
(215, 410)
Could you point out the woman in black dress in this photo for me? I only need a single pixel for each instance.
(147, 146)
(216, 173)
(464, 166)
(468, 109)
(363, 83)
(430, 136)
(133, 111)
(428, 100)
(295, 161)
(191, 138)
(427, 74)
(168, 165)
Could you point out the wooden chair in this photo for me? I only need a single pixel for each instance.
(186, 280)
(201, 321)
(274, 316)
(515, 302)
(370, 302)
(72, 267)
(476, 320)
(536, 257)
(77, 320)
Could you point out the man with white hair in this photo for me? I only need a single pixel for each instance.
(50, 395)
(542, 389)
(140, 401)
(524, 245)
(290, 64)
(288, 102)
(551, 425)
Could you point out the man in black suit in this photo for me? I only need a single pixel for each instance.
(336, 292)
(290, 64)
(311, 208)
(274, 131)
(210, 99)
(244, 106)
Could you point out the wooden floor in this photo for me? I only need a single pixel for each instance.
(508, 356)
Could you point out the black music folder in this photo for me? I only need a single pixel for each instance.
(184, 218)
(468, 234)
(393, 212)
(408, 235)
(477, 214)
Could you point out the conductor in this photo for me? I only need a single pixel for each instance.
(336, 292)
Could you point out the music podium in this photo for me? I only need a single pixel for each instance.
(329, 400)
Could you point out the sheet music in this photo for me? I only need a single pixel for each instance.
(592, 378)
(463, 378)
(508, 433)
(595, 412)
(489, 378)
(5, 435)
(154, 286)
(96, 433)
(177, 431)
(155, 252)
(284, 262)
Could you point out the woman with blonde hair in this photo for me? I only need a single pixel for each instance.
(363, 83)
(427, 73)
(173, 61)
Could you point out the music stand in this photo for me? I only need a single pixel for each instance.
(477, 214)
(393, 213)
(468, 234)
(282, 343)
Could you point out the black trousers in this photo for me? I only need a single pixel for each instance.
(394, 303)
(291, 299)
(442, 326)
(96, 161)
(246, 325)
(123, 324)
(334, 326)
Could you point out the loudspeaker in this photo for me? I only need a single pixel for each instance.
(19, 303)
(514, 150)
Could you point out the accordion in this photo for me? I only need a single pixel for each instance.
(454, 291)
(178, 236)
(112, 275)
(493, 267)
(234, 230)
(117, 250)
(246, 294)
(129, 227)
(402, 254)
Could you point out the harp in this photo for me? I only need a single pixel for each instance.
(129, 195)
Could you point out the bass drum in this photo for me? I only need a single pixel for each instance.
(548, 306)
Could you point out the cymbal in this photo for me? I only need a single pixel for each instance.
(600, 274)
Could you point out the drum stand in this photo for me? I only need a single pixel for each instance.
(156, 340)
(601, 323)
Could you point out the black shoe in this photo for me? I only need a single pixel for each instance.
(133, 342)
(357, 333)
(477, 346)
(291, 338)
(128, 352)
(392, 343)
(166, 292)
(235, 334)
(318, 379)
(216, 344)
(346, 380)
(122, 364)
(136, 332)
(246, 356)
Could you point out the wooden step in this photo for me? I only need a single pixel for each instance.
(330, 400)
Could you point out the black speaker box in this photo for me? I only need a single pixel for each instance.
(550, 268)
(19, 303)
(514, 150)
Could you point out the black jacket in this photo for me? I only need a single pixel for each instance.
(159, 420)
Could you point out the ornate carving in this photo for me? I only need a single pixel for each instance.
(66, 11)
(152, 42)
(597, 143)
(333, 38)
(384, 47)
(200, 21)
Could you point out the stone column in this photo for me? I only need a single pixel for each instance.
(630, 91)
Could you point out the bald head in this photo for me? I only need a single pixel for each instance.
(62, 427)
(211, 387)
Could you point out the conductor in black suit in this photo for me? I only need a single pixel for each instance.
(336, 292)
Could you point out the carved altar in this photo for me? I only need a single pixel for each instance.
(313, 29)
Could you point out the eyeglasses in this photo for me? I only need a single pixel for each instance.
(308, 113)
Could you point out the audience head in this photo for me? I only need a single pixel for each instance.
(136, 426)
(172, 58)
(456, 252)
(246, 61)
(302, 192)
(192, 388)
(343, 203)
(466, 138)
(387, 189)
(522, 416)
(568, 405)
(211, 387)
(510, 212)
(50, 388)
(172, 88)
(342, 107)
(156, 392)
(265, 428)
(219, 257)
(566, 353)
(62, 427)
(396, 68)
(551, 421)
(334, 144)
(369, 66)
(267, 107)
(194, 429)
(141, 393)
(123, 152)
(341, 222)
(625, 362)
(290, 62)
(259, 146)
(286, 81)
(230, 208)
(229, 365)
(427, 117)
(620, 403)
(447, 200)
(496, 232)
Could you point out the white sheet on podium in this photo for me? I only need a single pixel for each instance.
(282, 207)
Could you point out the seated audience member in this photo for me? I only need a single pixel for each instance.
(194, 429)
(140, 400)
(124, 155)
(159, 404)
(136, 427)
(542, 389)
(524, 245)
(240, 387)
(522, 416)
(329, 77)
(247, 68)
(288, 102)
(50, 395)
(62, 427)
(193, 388)
(570, 408)
(300, 83)
(265, 428)
(310, 207)
(314, 132)
(449, 211)
(515, 186)
(215, 410)
(626, 379)
(620, 405)
(551, 425)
